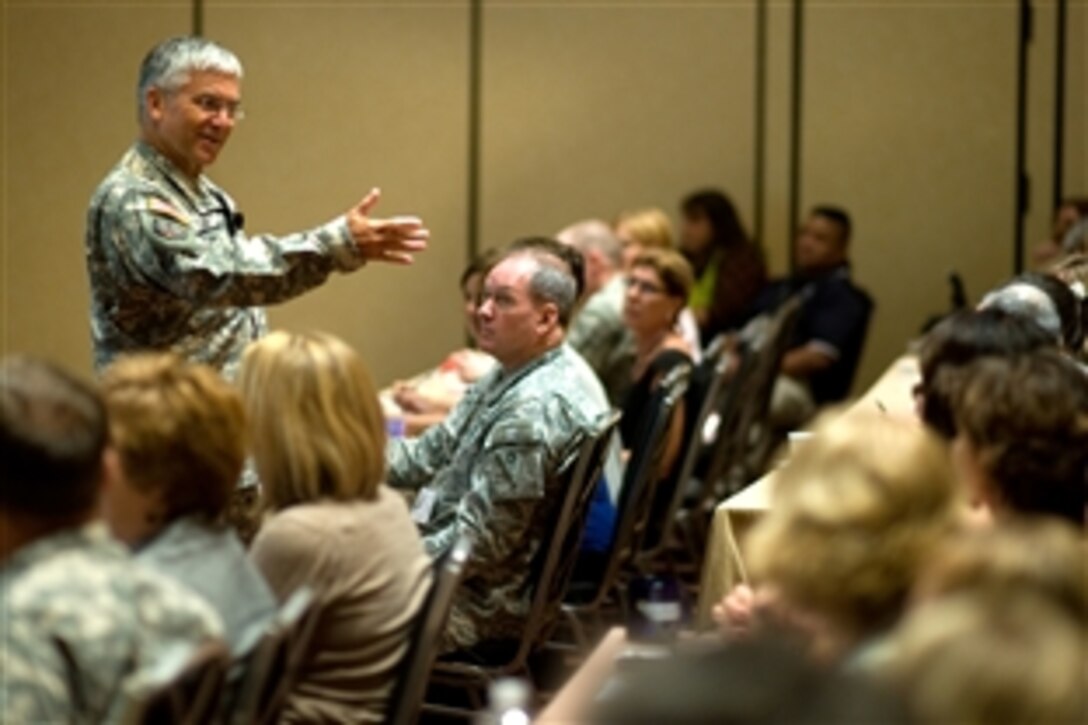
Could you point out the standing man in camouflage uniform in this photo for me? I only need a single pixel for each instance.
(491, 470)
(169, 265)
(79, 615)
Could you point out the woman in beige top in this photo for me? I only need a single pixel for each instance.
(318, 440)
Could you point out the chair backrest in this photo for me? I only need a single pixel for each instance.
(636, 496)
(559, 551)
(705, 398)
(430, 622)
(184, 689)
(750, 435)
(273, 666)
(725, 440)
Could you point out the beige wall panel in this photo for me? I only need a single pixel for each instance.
(341, 98)
(69, 113)
(589, 109)
(1076, 100)
(909, 122)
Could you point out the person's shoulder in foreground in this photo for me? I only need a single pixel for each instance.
(80, 615)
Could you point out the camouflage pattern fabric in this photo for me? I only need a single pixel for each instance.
(492, 469)
(600, 335)
(171, 269)
(79, 618)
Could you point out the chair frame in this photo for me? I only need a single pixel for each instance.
(633, 508)
(556, 560)
(415, 669)
(190, 695)
(286, 638)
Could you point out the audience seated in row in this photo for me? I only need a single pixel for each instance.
(80, 616)
(318, 439)
(490, 471)
(956, 342)
(646, 229)
(179, 431)
(1067, 235)
(1045, 300)
(1022, 435)
(597, 331)
(997, 630)
(728, 266)
(1073, 270)
(428, 398)
(823, 355)
(856, 514)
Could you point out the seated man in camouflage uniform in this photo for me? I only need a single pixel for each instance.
(491, 471)
(79, 615)
(170, 268)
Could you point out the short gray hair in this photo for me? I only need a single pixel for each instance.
(552, 282)
(168, 65)
(594, 235)
(1028, 301)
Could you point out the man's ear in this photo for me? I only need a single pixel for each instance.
(155, 103)
(548, 317)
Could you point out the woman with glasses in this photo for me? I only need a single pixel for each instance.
(658, 284)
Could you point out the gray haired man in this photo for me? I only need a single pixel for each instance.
(491, 470)
(170, 267)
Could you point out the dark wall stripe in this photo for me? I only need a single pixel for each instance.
(475, 68)
(1022, 190)
(198, 17)
(760, 131)
(796, 88)
(1059, 107)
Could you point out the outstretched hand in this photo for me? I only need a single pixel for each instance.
(394, 240)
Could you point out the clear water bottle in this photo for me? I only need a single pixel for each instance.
(508, 703)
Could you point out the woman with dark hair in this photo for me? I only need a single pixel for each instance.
(728, 266)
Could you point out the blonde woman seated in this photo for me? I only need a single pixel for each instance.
(318, 440)
(645, 229)
(179, 432)
(856, 514)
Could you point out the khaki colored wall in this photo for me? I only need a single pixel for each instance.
(909, 123)
(588, 108)
(341, 98)
(1076, 100)
(592, 109)
(69, 112)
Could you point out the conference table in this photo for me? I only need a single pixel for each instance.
(723, 564)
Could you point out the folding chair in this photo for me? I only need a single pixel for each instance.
(415, 668)
(552, 568)
(184, 689)
(633, 507)
(272, 667)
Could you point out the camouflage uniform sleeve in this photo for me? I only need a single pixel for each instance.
(32, 686)
(173, 249)
(412, 463)
(507, 483)
(583, 337)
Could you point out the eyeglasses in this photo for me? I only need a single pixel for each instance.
(214, 105)
(642, 286)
